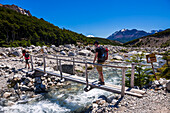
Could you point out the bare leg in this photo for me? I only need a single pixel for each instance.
(28, 65)
(101, 74)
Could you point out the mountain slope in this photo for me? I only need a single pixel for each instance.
(126, 35)
(160, 39)
(104, 41)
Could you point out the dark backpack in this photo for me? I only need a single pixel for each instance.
(27, 55)
(103, 55)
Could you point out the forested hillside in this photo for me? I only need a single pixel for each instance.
(20, 30)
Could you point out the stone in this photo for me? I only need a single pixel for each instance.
(71, 54)
(9, 103)
(12, 98)
(27, 80)
(7, 94)
(3, 54)
(25, 88)
(16, 53)
(67, 68)
(117, 58)
(168, 86)
(63, 53)
(156, 82)
(103, 97)
(102, 102)
(84, 52)
(95, 105)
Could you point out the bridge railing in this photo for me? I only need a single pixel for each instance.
(85, 61)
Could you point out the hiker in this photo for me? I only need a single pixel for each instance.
(101, 55)
(25, 54)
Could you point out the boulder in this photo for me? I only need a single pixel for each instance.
(66, 68)
(68, 46)
(168, 86)
(3, 54)
(7, 94)
(32, 46)
(16, 53)
(25, 88)
(63, 53)
(71, 54)
(117, 58)
(156, 82)
(52, 46)
(84, 52)
(95, 105)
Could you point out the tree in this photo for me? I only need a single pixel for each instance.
(142, 75)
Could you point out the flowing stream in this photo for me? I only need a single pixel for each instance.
(71, 98)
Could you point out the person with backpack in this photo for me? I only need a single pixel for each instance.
(25, 54)
(101, 55)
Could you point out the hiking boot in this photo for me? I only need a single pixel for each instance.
(101, 83)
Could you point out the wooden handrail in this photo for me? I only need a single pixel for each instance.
(56, 57)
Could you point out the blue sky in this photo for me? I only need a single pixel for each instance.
(100, 18)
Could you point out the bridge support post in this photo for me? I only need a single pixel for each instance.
(32, 66)
(86, 74)
(73, 66)
(61, 69)
(132, 76)
(44, 63)
(57, 62)
(123, 82)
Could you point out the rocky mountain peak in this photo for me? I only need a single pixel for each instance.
(125, 35)
(18, 9)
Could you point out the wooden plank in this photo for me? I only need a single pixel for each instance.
(74, 78)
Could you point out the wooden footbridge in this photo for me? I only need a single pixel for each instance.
(90, 84)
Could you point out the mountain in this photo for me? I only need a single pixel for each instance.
(18, 9)
(126, 35)
(20, 29)
(159, 39)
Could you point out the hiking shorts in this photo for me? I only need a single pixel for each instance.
(99, 68)
(26, 61)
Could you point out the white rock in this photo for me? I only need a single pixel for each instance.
(84, 52)
(52, 46)
(95, 105)
(63, 52)
(156, 82)
(117, 57)
(7, 94)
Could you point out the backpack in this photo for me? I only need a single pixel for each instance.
(27, 55)
(103, 55)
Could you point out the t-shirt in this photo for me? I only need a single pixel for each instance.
(98, 49)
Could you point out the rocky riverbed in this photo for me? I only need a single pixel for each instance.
(156, 100)
(19, 85)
